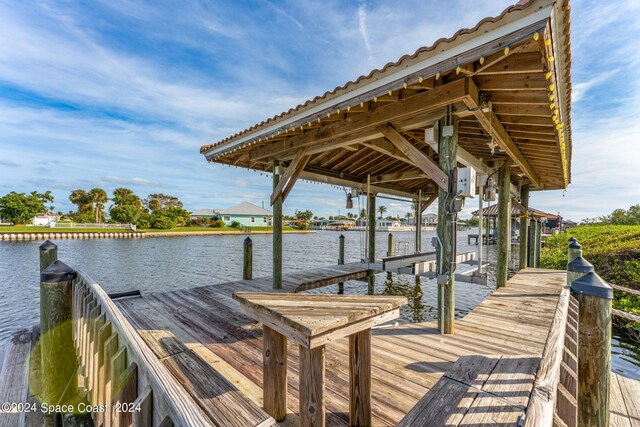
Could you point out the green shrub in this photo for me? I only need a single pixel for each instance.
(218, 223)
(162, 222)
(235, 224)
(614, 251)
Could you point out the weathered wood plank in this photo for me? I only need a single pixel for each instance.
(360, 378)
(274, 373)
(312, 379)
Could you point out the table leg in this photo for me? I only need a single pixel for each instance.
(312, 386)
(274, 373)
(360, 378)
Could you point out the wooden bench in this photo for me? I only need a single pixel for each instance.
(478, 390)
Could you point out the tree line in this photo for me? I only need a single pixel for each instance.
(158, 210)
(629, 216)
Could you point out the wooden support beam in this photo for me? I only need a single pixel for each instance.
(415, 105)
(504, 225)
(417, 214)
(371, 239)
(274, 373)
(360, 378)
(419, 158)
(291, 174)
(524, 227)
(312, 378)
(277, 233)
(446, 229)
(492, 126)
(517, 63)
(294, 177)
(398, 176)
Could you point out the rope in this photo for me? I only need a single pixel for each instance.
(625, 315)
(623, 289)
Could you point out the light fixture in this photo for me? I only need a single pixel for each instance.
(276, 170)
(349, 201)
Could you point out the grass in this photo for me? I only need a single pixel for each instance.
(614, 251)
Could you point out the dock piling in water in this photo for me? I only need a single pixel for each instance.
(247, 271)
(48, 254)
(56, 341)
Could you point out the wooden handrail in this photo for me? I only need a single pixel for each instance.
(182, 409)
(540, 411)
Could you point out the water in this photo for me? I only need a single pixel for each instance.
(170, 263)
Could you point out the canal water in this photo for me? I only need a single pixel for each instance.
(170, 263)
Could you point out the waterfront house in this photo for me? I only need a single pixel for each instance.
(45, 220)
(245, 213)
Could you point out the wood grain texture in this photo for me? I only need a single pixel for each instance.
(360, 378)
(312, 379)
(504, 225)
(274, 370)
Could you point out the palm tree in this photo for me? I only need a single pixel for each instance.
(382, 210)
(99, 198)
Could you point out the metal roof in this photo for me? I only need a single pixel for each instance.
(245, 208)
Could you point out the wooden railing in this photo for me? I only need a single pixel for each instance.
(553, 398)
(117, 370)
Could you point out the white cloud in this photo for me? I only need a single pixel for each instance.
(128, 181)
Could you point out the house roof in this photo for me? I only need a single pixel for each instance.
(204, 212)
(519, 62)
(245, 208)
(516, 211)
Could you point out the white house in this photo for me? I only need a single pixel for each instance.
(245, 213)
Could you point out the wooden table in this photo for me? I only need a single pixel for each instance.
(312, 321)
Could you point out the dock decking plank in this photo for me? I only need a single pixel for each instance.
(407, 360)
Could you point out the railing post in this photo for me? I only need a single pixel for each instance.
(59, 378)
(247, 270)
(48, 254)
(578, 268)
(575, 250)
(390, 245)
(341, 262)
(594, 349)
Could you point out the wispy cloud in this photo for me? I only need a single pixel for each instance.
(128, 181)
(362, 26)
(9, 164)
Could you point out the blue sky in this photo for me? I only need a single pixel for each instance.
(124, 92)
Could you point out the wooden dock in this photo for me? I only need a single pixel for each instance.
(407, 360)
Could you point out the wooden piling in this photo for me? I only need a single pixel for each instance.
(531, 253)
(578, 268)
(341, 261)
(594, 349)
(371, 233)
(48, 254)
(575, 251)
(418, 221)
(277, 232)
(446, 229)
(247, 270)
(539, 228)
(524, 228)
(504, 226)
(59, 378)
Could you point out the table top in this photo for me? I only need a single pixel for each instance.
(312, 320)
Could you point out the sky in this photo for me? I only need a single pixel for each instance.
(122, 93)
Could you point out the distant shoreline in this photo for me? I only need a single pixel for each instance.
(217, 233)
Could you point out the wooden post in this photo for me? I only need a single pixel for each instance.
(360, 378)
(274, 373)
(480, 219)
(504, 226)
(538, 242)
(277, 231)
(341, 262)
(371, 232)
(312, 378)
(58, 358)
(446, 230)
(578, 268)
(575, 251)
(594, 349)
(247, 271)
(524, 227)
(48, 254)
(531, 256)
(418, 220)
(390, 245)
